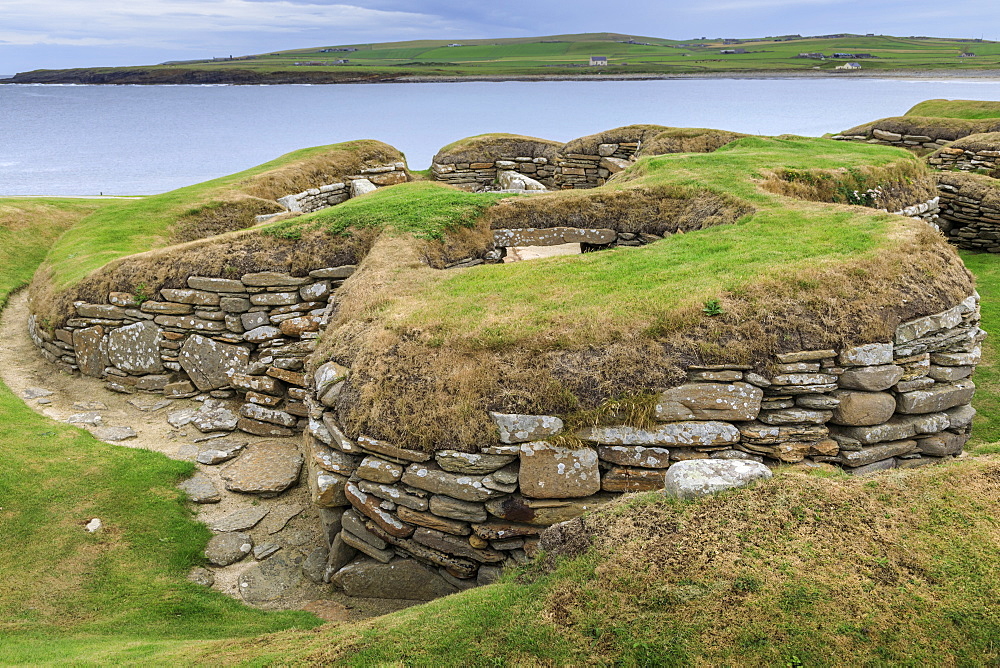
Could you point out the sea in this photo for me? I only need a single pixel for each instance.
(73, 140)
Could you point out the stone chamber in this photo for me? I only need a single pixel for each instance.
(444, 521)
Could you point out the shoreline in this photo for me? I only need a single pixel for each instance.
(220, 77)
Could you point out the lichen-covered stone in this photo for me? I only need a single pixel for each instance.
(446, 506)
(432, 521)
(262, 384)
(211, 284)
(395, 493)
(915, 329)
(794, 416)
(693, 479)
(91, 354)
(896, 428)
(265, 467)
(960, 417)
(877, 453)
(516, 428)
(272, 279)
(455, 485)
(635, 455)
(389, 450)
(706, 434)
(943, 444)
(553, 472)
(135, 348)
(379, 470)
(211, 364)
(227, 548)
(870, 354)
(370, 506)
(710, 401)
(469, 462)
(194, 297)
(940, 397)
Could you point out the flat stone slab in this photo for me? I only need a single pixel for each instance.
(222, 450)
(710, 401)
(115, 434)
(552, 472)
(691, 434)
(245, 518)
(267, 467)
(702, 477)
(91, 418)
(211, 364)
(36, 393)
(516, 428)
(228, 548)
(401, 578)
(135, 348)
(271, 579)
(201, 489)
(213, 416)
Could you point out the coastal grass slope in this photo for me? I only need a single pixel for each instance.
(557, 55)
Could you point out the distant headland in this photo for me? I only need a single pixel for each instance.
(589, 57)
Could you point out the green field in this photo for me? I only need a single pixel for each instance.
(564, 55)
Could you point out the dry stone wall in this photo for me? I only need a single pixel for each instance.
(250, 335)
(969, 218)
(485, 174)
(462, 516)
(887, 138)
(332, 194)
(964, 159)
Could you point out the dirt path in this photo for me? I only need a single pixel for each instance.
(24, 371)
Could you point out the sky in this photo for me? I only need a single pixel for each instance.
(36, 34)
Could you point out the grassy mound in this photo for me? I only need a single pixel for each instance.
(210, 208)
(496, 146)
(688, 140)
(971, 109)
(805, 569)
(566, 334)
(628, 133)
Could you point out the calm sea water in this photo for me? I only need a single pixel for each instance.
(137, 140)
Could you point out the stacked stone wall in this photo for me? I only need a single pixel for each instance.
(967, 219)
(479, 175)
(886, 138)
(223, 336)
(579, 170)
(460, 517)
(331, 194)
(963, 159)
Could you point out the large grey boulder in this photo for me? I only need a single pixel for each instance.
(135, 348)
(211, 364)
(701, 477)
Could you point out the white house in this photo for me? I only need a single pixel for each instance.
(849, 66)
(598, 61)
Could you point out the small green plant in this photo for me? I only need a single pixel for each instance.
(141, 294)
(713, 307)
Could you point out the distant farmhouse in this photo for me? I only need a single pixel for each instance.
(349, 49)
(849, 66)
(598, 61)
(966, 55)
(730, 51)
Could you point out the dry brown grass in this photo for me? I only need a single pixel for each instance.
(330, 166)
(688, 140)
(628, 133)
(858, 563)
(658, 210)
(221, 216)
(498, 146)
(901, 184)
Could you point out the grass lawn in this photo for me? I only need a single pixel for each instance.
(121, 594)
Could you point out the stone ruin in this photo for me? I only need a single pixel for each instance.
(451, 520)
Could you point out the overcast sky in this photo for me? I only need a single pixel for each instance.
(84, 33)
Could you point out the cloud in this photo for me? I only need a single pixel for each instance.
(175, 22)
